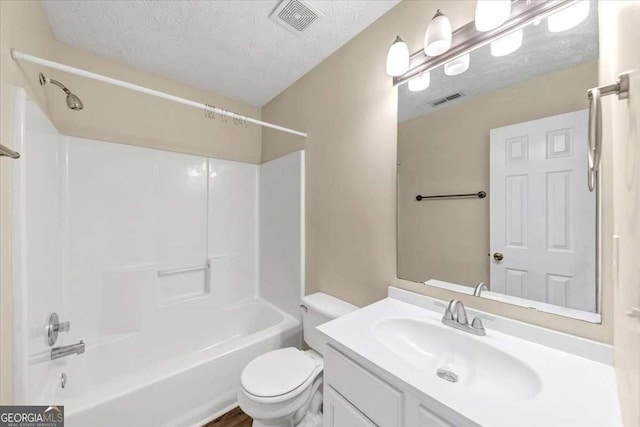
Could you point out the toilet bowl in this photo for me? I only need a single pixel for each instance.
(284, 387)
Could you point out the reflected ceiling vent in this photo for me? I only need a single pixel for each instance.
(447, 98)
(295, 15)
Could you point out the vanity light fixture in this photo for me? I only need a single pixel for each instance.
(457, 66)
(437, 39)
(507, 44)
(420, 82)
(569, 17)
(490, 14)
(443, 47)
(398, 58)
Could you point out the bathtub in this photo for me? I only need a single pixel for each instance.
(176, 374)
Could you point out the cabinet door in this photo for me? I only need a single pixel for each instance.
(340, 413)
(429, 419)
(378, 400)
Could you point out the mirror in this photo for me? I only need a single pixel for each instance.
(513, 127)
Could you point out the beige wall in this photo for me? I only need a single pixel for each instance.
(110, 113)
(116, 114)
(620, 30)
(348, 107)
(440, 154)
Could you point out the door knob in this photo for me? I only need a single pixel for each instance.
(498, 256)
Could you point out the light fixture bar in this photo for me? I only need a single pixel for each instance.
(467, 38)
(17, 55)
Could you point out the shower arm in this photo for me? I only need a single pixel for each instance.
(60, 85)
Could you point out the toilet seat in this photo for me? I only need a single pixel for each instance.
(279, 375)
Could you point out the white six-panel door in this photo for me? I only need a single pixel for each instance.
(543, 217)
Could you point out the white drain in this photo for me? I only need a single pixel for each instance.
(447, 375)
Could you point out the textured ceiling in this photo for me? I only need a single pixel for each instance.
(542, 52)
(229, 47)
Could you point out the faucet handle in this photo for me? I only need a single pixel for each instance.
(477, 321)
(63, 326)
(54, 326)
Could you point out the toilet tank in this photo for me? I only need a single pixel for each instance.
(321, 308)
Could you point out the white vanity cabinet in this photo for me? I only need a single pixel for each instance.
(338, 412)
(355, 396)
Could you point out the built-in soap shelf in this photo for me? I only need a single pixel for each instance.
(182, 284)
(190, 282)
(171, 271)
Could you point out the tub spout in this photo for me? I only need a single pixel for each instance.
(67, 350)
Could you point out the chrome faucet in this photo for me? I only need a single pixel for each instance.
(479, 288)
(455, 315)
(67, 350)
(456, 312)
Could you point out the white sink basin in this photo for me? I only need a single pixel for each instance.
(479, 367)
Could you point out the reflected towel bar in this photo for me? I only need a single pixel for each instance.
(479, 195)
(6, 151)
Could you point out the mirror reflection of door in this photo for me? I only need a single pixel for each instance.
(514, 126)
(542, 215)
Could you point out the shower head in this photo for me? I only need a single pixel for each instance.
(73, 102)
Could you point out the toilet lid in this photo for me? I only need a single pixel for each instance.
(277, 372)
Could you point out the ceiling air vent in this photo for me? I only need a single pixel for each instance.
(447, 99)
(295, 15)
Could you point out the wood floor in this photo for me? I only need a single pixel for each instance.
(233, 418)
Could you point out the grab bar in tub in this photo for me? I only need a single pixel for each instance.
(184, 270)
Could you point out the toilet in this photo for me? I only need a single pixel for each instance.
(284, 387)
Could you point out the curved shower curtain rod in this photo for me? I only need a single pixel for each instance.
(17, 55)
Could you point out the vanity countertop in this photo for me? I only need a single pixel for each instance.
(568, 390)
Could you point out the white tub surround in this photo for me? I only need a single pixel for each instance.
(153, 257)
(523, 375)
(281, 225)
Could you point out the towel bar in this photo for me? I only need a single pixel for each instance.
(479, 195)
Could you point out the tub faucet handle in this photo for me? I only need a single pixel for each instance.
(64, 326)
(54, 326)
